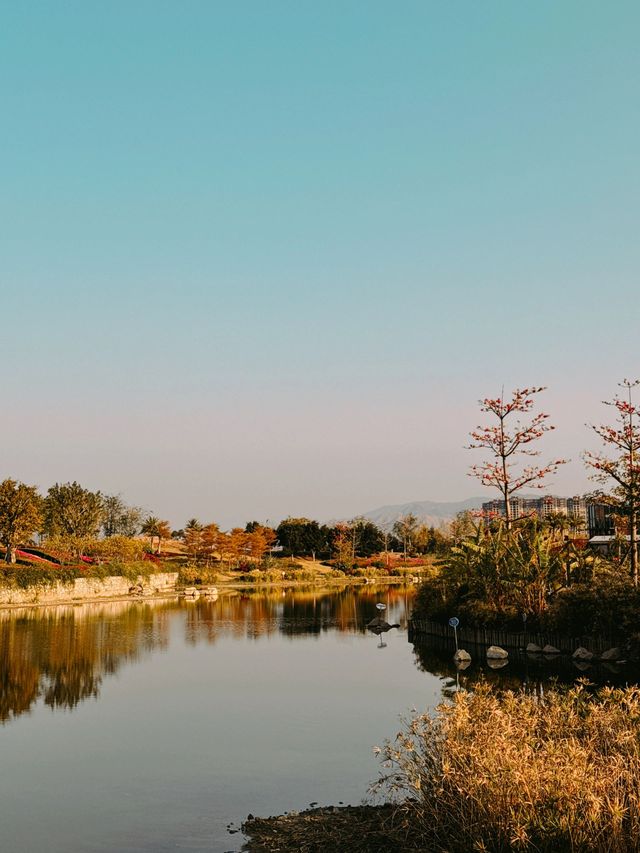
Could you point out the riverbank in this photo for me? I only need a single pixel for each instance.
(329, 829)
(158, 585)
(492, 771)
(81, 590)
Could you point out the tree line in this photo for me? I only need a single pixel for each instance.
(69, 517)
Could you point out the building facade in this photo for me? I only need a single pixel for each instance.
(575, 507)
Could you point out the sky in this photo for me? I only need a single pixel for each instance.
(262, 259)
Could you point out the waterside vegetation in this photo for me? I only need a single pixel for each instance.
(493, 772)
(510, 572)
(514, 770)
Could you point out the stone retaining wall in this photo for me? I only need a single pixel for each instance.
(89, 589)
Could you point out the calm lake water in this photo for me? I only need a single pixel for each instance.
(133, 726)
(151, 726)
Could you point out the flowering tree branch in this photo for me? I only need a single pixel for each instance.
(515, 430)
(624, 466)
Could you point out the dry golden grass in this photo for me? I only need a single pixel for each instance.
(519, 771)
(548, 773)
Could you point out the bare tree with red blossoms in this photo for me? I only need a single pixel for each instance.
(624, 468)
(516, 428)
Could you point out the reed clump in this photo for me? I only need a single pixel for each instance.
(520, 771)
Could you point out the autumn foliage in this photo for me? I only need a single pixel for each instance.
(510, 435)
(622, 464)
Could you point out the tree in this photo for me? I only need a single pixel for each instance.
(210, 542)
(150, 528)
(20, 515)
(428, 540)
(301, 536)
(404, 528)
(260, 539)
(238, 547)
(154, 528)
(368, 538)
(119, 519)
(71, 510)
(193, 541)
(510, 438)
(164, 532)
(624, 466)
(462, 526)
(342, 544)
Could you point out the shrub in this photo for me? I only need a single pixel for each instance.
(114, 548)
(521, 772)
(609, 604)
(28, 576)
(25, 576)
(194, 575)
(494, 576)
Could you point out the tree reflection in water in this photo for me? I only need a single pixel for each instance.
(60, 655)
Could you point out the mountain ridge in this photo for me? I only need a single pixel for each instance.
(431, 513)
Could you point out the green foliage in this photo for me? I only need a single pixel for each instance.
(496, 575)
(369, 539)
(118, 519)
(20, 514)
(429, 540)
(303, 537)
(71, 510)
(25, 576)
(608, 604)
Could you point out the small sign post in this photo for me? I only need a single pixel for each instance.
(381, 608)
(454, 622)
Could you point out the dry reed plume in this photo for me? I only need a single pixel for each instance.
(519, 771)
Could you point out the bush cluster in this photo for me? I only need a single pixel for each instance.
(521, 772)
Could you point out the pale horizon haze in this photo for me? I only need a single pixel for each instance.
(263, 259)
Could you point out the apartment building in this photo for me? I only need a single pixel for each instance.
(544, 506)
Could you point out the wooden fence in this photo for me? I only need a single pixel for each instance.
(512, 641)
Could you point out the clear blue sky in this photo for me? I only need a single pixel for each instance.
(261, 259)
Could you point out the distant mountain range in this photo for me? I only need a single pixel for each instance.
(431, 513)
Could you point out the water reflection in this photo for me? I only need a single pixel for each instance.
(60, 655)
(533, 672)
(294, 612)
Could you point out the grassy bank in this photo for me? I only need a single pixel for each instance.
(26, 576)
(494, 772)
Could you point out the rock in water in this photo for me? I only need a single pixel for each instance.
(462, 654)
(533, 647)
(582, 654)
(496, 653)
(611, 654)
(550, 650)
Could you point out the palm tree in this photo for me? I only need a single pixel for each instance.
(151, 528)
